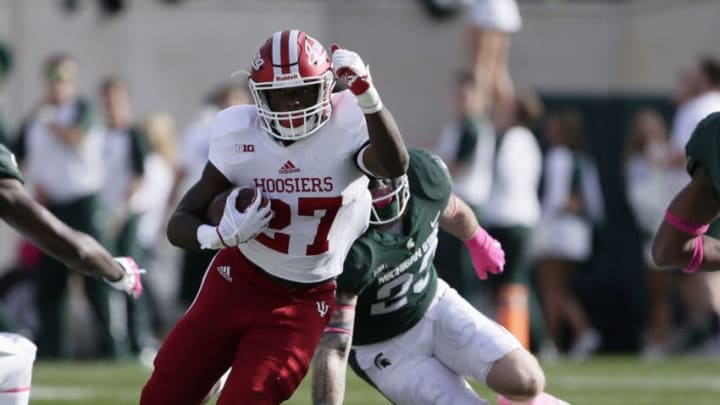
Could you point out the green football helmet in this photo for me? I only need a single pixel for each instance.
(389, 199)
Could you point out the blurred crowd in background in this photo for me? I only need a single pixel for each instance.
(524, 161)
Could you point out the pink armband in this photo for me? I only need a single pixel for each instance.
(683, 225)
(332, 329)
(691, 228)
(344, 307)
(697, 256)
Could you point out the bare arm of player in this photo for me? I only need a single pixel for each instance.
(331, 356)
(77, 250)
(458, 219)
(387, 155)
(190, 212)
(697, 203)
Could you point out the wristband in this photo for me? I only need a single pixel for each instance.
(334, 329)
(208, 237)
(369, 101)
(683, 225)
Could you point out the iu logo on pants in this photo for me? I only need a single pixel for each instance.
(322, 308)
(225, 272)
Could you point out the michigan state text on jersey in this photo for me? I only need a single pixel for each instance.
(393, 274)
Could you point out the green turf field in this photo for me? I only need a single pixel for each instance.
(602, 381)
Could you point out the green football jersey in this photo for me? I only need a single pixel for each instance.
(8, 165)
(394, 274)
(703, 148)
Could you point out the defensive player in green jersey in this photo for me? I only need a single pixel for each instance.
(77, 250)
(413, 337)
(681, 241)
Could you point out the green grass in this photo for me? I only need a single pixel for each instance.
(601, 381)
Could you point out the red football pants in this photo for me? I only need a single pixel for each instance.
(266, 331)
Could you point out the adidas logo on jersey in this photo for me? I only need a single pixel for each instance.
(288, 167)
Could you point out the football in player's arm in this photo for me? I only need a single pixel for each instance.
(681, 240)
(393, 310)
(308, 151)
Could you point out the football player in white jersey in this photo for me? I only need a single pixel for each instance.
(269, 293)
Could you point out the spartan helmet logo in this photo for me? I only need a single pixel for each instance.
(381, 361)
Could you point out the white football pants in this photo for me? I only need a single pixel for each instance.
(17, 355)
(426, 364)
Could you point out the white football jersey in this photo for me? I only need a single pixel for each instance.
(318, 194)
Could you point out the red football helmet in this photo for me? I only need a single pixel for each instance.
(291, 81)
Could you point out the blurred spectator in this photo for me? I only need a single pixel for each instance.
(490, 25)
(5, 68)
(701, 90)
(571, 205)
(157, 186)
(125, 147)
(109, 8)
(64, 163)
(650, 183)
(193, 157)
(513, 209)
(160, 169)
(124, 150)
(467, 145)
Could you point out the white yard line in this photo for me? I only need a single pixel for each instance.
(68, 393)
(635, 382)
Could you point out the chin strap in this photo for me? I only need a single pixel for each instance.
(691, 228)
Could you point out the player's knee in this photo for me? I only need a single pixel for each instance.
(267, 392)
(517, 375)
(268, 386)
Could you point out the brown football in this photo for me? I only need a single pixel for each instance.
(245, 197)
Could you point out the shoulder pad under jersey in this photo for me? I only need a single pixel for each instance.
(233, 118)
(428, 175)
(703, 148)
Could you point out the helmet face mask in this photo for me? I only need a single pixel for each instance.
(389, 199)
(291, 81)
